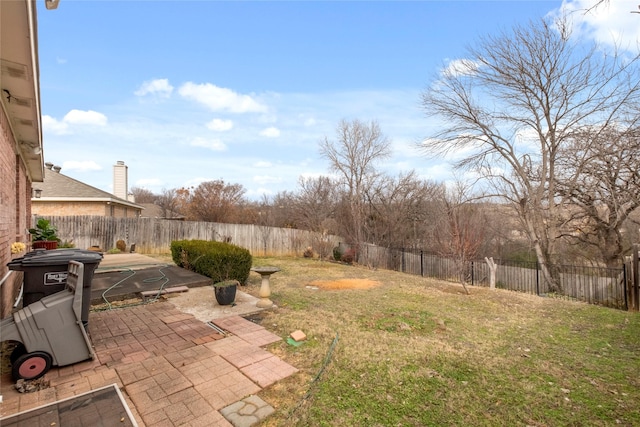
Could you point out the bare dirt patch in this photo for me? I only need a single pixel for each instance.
(342, 284)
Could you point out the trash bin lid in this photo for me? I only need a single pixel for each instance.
(55, 257)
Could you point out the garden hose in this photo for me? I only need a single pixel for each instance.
(327, 359)
(126, 269)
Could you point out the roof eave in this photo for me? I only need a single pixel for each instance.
(20, 82)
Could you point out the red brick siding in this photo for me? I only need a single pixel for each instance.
(15, 193)
(47, 208)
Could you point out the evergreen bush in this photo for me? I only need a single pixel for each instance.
(218, 260)
(337, 253)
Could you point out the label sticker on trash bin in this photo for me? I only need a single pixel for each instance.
(55, 278)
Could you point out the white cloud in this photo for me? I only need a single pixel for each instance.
(262, 164)
(141, 132)
(310, 122)
(220, 125)
(148, 182)
(313, 175)
(194, 182)
(81, 166)
(266, 179)
(73, 117)
(61, 60)
(438, 172)
(49, 124)
(611, 23)
(212, 144)
(259, 192)
(159, 87)
(270, 132)
(89, 117)
(459, 67)
(221, 99)
(268, 118)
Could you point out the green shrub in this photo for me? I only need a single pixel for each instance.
(66, 244)
(218, 260)
(337, 253)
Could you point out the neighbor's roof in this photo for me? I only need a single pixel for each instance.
(61, 188)
(151, 210)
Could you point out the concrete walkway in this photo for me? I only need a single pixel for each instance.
(171, 367)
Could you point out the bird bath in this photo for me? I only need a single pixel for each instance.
(265, 289)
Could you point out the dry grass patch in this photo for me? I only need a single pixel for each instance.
(344, 284)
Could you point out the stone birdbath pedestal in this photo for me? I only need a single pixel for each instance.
(265, 289)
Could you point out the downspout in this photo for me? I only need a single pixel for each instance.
(6, 276)
(4, 279)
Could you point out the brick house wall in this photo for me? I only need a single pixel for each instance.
(59, 208)
(15, 209)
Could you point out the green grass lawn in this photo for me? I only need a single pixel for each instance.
(419, 352)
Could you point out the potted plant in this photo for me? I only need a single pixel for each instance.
(225, 291)
(44, 235)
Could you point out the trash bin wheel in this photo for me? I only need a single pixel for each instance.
(31, 366)
(18, 351)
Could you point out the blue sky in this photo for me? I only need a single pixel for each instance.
(191, 91)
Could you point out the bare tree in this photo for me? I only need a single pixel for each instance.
(461, 228)
(142, 195)
(168, 202)
(397, 209)
(183, 202)
(353, 156)
(314, 206)
(314, 209)
(283, 205)
(600, 179)
(265, 221)
(216, 201)
(514, 103)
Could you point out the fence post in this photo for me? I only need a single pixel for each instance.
(421, 263)
(472, 275)
(624, 286)
(537, 278)
(403, 261)
(634, 278)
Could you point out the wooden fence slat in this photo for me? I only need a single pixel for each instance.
(154, 236)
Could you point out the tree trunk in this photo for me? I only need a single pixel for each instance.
(492, 272)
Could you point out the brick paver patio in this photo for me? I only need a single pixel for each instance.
(171, 368)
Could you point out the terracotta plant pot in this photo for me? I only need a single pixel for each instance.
(44, 244)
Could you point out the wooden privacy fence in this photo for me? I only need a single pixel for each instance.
(632, 269)
(611, 287)
(154, 236)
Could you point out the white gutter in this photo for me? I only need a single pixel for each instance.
(33, 40)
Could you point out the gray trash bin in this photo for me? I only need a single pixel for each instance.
(45, 273)
(50, 331)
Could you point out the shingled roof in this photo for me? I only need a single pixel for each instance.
(154, 211)
(59, 187)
